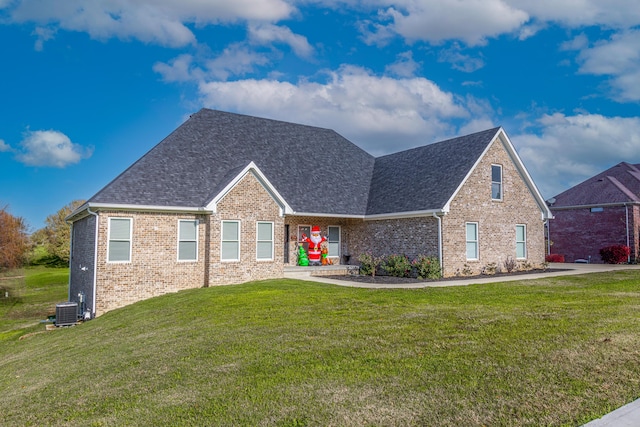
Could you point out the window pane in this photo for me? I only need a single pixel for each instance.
(187, 251)
(265, 231)
(496, 173)
(230, 250)
(471, 232)
(265, 250)
(334, 234)
(334, 249)
(188, 230)
(230, 230)
(520, 250)
(520, 235)
(120, 229)
(119, 251)
(472, 250)
(496, 191)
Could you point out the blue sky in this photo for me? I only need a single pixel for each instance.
(86, 88)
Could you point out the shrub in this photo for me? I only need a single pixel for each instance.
(490, 269)
(616, 254)
(369, 264)
(510, 265)
(427, 267)
(397, 265)
(554, 258)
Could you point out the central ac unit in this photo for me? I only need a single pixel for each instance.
(66, 313)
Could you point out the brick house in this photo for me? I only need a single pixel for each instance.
(602, 211)
(225, 198)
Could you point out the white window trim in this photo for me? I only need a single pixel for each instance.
(499, 199)
(339, 240)
(523, 241)
(186, 240)
(130, 240)
(271, 240)
(222, 241)
(476, 241)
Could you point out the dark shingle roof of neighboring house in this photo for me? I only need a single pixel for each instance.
(424, 178)
(315, 170)
(617, 185)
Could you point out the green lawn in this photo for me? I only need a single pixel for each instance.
(556, 351)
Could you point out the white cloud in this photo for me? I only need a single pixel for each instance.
(265, 34)
(405, 66)
(472, 21)
(566, 150)
(381, 114)
(152, 21)
(4, 147)
(42, 34)
(618, 57)
(50, 148)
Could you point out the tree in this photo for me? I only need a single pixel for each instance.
(56, 235)
(14, 242)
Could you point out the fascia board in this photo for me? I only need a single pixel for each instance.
(402, 215)
(251, 167)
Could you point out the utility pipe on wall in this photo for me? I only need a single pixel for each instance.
(436, 216)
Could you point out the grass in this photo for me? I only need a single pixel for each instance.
(555, 351)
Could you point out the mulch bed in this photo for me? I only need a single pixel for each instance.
(382, 279)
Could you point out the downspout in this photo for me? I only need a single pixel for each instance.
(626, 213)
(436, 216)
(95, 265)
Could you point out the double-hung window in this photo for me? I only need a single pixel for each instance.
(230, 245)
(333, 241)
(472, 240)
(521, 241)
(264, 245)
(119, 249)
(188, 240)
(496, 182)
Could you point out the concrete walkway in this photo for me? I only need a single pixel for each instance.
(626, 416)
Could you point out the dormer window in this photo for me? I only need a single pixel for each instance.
(496, 182)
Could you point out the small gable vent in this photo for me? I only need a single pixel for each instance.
(66, 313)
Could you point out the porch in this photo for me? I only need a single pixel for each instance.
(298, 272)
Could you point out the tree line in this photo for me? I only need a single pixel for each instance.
(47, 246)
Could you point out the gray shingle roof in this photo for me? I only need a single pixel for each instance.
(315, 170)
(424, 178)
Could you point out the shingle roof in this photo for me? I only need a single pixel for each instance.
(315, 170)
(618, 184)
(424, 178)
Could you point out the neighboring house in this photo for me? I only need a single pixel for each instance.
(225, 198)
(602, 211)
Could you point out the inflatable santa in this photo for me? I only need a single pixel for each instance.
(315, 252)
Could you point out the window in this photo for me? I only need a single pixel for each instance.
(521, 241)
(472, 240)
(333, 240)
(597, 209)
(188, 240)
(119, 249)
(496, 182)
(264, 236)
(230, 247)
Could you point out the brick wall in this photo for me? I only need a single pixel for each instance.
(580, 233)
(496, 220)
(248, 202)
(154, 269)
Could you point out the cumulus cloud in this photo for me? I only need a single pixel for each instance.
(50, 148)
(405, 66)
(4, 147)
(566, 150)
(264, 34)
(381, 114)
(164, 22)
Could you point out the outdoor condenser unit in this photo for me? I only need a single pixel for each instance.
(66, 313)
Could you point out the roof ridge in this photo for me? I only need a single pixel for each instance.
(623, 188)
